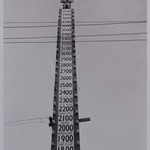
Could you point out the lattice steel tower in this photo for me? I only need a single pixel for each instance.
(65, 120)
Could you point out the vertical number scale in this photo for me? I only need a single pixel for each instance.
(65, 126)
(65, 120)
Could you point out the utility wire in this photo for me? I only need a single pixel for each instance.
(26, 22)
(113, 23)
(95, 24)
(118, 34)
(32, 22)
(98, 41)
(17, 121)
(30, 26)
(31, 37)
(17, 124)
(114, 40)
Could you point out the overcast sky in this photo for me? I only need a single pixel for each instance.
(111, 76)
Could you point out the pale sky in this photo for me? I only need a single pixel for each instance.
(111, 76)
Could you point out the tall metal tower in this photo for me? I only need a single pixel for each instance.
(65, 120)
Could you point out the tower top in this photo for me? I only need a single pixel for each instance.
(66, 3)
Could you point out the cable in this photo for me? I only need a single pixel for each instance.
(81, 41)
(28, 22)
(89, 35)
(117, 34)
(13, 22)
(26, 120)
(31, 42)
(115, 40)
(30, 26)
(7, 125)
(31, 37)
(113, 23)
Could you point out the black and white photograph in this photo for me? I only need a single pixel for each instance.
(75, 75)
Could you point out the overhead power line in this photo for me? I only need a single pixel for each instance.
(87, 24)
(90, 21)
(88, 35)
(17, 121)
(28, 22)
(98, 41)
(115, 40)
(113, 34)
(30, 37)
(27, 123)
(112, 23)
(42, 26)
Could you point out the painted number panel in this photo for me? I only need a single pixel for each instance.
(65, 138)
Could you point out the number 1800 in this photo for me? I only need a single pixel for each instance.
(66, 148)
